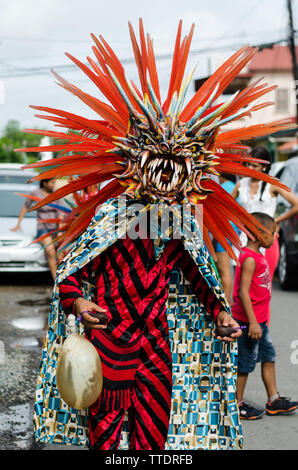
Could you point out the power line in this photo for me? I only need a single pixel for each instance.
(124, 41)
(249, 38)
(243, 17)
(44, 70)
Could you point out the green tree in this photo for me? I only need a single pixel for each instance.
(13, 137)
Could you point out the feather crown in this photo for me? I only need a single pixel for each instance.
(165, 151)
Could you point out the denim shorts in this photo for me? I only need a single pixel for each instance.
(252, 351)
(42, 231)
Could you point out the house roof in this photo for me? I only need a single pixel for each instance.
(276, 59)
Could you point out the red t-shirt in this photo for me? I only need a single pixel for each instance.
(260, 288)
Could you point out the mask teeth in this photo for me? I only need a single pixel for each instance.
(144, 158)
(188, 165)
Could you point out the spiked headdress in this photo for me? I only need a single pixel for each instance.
(163, 151)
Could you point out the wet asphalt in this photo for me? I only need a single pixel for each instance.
(24, 307)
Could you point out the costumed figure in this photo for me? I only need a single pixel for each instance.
(168, 382)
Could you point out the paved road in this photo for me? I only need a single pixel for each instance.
(23, 315)
(277, 432)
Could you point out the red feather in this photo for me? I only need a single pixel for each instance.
(89, 152)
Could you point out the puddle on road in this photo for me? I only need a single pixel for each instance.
(30, 323)
(37, 323)
(25, 343)
(35, 302)
(18, 421)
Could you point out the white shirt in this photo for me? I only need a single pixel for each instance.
(267, 204)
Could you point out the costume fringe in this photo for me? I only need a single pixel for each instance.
(114, 399)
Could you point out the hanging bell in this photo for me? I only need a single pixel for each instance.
(79, 372)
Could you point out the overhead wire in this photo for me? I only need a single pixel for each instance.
(44, 70)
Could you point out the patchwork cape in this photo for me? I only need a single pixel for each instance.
(204, 412)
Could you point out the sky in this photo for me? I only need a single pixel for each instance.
(35, 34)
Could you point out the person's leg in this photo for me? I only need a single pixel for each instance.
(268, 377)
(119, 362)
(50, 254)
(267, 358)
(224, 269)
(247, 358)
(246, 411)
(105, 428)
(151, 395)
(275, 404)
(241, 382)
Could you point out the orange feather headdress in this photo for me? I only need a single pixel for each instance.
(163, 151)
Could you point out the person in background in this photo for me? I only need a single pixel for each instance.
(252, 296)
(223, 262)
(47, 186)
(257, 196)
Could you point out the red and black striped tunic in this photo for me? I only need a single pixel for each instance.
(131, 285)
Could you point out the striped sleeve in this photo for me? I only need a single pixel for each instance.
(199, 286)
(69, 291)
(70, 288)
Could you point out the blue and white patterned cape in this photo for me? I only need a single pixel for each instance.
(204, 406)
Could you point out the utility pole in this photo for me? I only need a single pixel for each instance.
(293, 52)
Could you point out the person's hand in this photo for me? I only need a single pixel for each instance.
(255, 331)
(277, 230)
(224, 319)
(17, 228)
(82, 305)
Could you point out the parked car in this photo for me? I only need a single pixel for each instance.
(288, 234)
(16, 252)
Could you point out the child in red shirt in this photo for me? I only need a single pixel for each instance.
(252, 295)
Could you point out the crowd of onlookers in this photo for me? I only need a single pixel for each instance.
(254, 196)
(248, 285)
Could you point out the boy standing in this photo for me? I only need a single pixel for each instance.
(252, 295)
